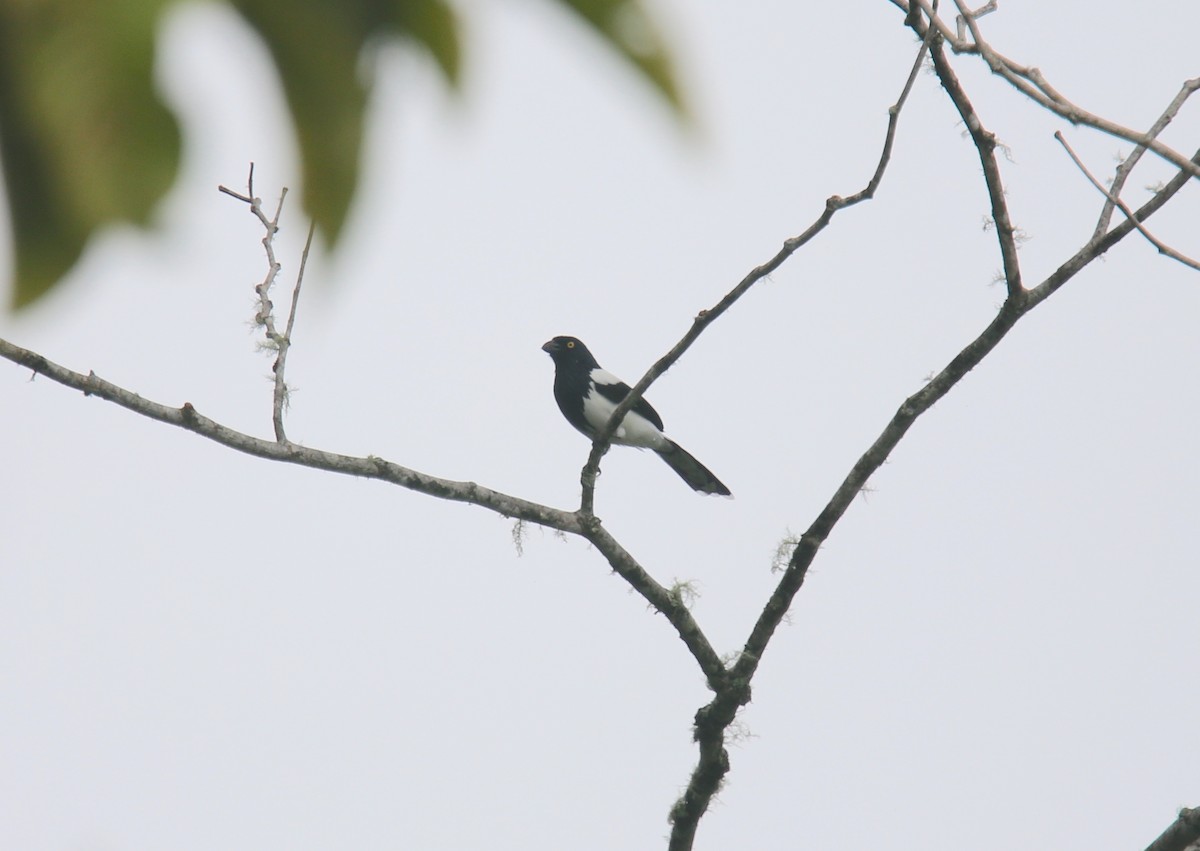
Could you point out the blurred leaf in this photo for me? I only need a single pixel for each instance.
(433, 24)
(627, 26)
(84, 139)
(317, 45)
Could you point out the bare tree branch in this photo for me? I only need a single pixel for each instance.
(282, 394)
(1031, 83)
(1095, 247)
(1181, 835)
(1126, 167)
(704, 318)
(713, 719)
(1162, 247)
(985, 144)
(1014, 307)
(264, 316)
(371, 467)
(729, 683)
(670, 605)
(960, 22)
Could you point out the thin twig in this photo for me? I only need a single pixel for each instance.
(264, 316)
(985, 144)
(1162, 247)
(248, 198)
(291, 323)
(1031, 83)
(704, 318)
(961, 22)
(1126, 167)
(282, 394)
(1095, 247)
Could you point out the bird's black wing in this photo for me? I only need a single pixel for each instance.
(616, 391)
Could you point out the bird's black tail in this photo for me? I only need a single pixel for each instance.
(691, 470)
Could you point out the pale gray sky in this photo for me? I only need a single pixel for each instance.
(201, 650)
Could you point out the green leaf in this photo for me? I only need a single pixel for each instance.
(628, 28)
(316, 46)
(433, 24)
(84, 139)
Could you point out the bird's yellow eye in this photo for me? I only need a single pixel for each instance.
(571, 344)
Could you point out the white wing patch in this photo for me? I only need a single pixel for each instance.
(634, 430)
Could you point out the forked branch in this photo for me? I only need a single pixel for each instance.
(1127, 165)
(1032, 83)
(1113, 200)
(729, 683)
(713, 720)
(264, 315)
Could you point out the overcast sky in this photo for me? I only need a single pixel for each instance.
(997, 647)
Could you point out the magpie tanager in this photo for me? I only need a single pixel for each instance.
(588, 394)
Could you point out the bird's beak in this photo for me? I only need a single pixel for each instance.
(550, 347)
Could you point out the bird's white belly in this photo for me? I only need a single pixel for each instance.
(634, 430)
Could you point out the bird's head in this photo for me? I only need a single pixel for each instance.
(569, 351)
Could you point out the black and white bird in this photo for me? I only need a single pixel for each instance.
(587, 395)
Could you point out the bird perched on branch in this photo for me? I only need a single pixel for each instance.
(587, 395)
